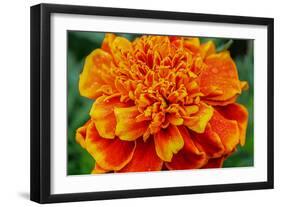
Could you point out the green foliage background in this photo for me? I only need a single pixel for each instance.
(80, 44)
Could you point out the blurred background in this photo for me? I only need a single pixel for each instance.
(80, 44)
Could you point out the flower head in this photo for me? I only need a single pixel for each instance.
(161, 102)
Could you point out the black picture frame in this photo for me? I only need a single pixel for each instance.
(41, 99)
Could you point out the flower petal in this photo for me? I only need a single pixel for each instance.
(239, 113)
(198, 121)
(214, 163)
(102, 114)
(161, 44)
(144, 158)
(220, 77)
(207, 49)
(99, 170)
(127, 128)
(81, 134)
(118, 47)
(192, 44)
(96, 78)
(109, 154)
(189, 157)
(222, 103)
(107, 42)
(209, 142)
(168, 142)
(227, 130)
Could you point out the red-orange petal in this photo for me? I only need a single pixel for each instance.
(189, 157)
(214, 163)
(96, 78)
(102, 114)
(239, 113)
(221, 103)
(81, 134)
(110, 154)
(168, 142)
(227, 130)
(220, 77)
(127, 127)
(144, 158)
(209, 142)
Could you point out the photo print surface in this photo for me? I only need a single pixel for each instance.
(140, 103)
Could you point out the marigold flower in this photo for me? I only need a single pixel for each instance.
(161, 102)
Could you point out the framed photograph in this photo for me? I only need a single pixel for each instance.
(132, 103)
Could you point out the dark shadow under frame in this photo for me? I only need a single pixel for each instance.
(41, 99)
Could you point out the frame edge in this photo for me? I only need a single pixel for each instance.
(40, 146)
(35, 69)
(270, 103)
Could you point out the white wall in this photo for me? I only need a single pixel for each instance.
(14, 102)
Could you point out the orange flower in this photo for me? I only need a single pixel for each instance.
(161, 103)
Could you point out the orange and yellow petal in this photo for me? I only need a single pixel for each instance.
(144, 158)
(127, 127)
(192, 44)
(99, 170)
(209, 142)
(81, 134)
(161, 45)
(189, 157)
(198, 121)
(102, 114)
(219, 82)
(117, 46)
(168, 142)
(207, 49)
(238, 113)
(96, 78)
(109, 154)
(227, 130)
(107, 42)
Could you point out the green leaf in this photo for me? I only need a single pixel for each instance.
(225, 46)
